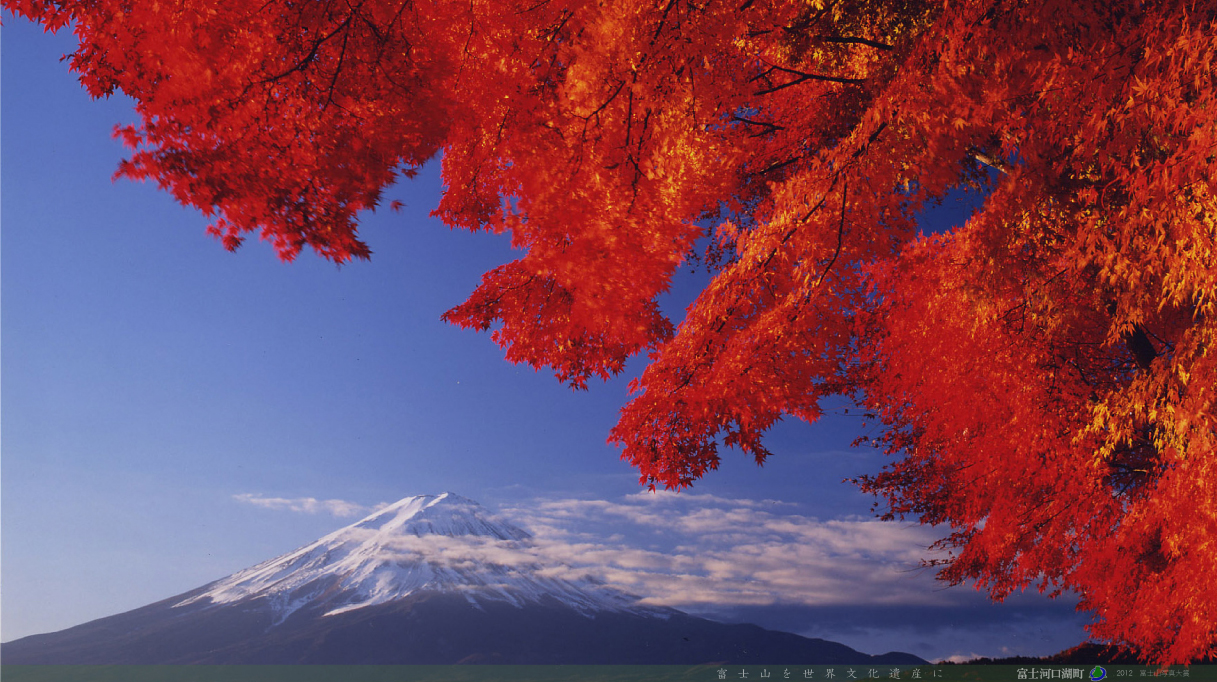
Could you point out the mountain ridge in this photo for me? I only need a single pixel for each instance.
(426, 580)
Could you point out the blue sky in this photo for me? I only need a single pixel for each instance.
(172, 412)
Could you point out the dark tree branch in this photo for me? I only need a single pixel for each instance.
(803, 78)
(989, 160)
(857, 41)
(840, 234)
(768, 127)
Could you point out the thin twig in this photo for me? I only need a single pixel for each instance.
(840, 233)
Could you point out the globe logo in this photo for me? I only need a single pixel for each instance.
(1098, 673)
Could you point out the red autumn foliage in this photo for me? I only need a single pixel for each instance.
(1044, 371)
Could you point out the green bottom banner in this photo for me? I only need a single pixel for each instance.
(592, 673)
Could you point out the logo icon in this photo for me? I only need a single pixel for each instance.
(1098, 674)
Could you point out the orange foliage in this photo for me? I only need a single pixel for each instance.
(1044, 371)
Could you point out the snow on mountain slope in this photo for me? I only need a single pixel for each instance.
(440, 543)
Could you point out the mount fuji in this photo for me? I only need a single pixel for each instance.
(430, 579)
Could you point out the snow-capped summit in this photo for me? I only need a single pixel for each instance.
(446, 514)
(433, 543)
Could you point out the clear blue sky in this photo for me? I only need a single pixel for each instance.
(159, 394)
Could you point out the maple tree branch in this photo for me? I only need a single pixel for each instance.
(460, 73)
(552, 32)
(857, 41)
(803, 77)
(840, 233)
(662, 20)
(329, 99)
(629, 116)
(308, 59)
(539, 5)
(841, 227)
(807, 215)
(607, 102)
(776, 165)
(768, 127)
(801, 25)
(794, 228)
(871, 140)
(989, 160)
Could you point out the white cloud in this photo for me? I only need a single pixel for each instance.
(685, 550)
(671, 496)
(307, 505)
